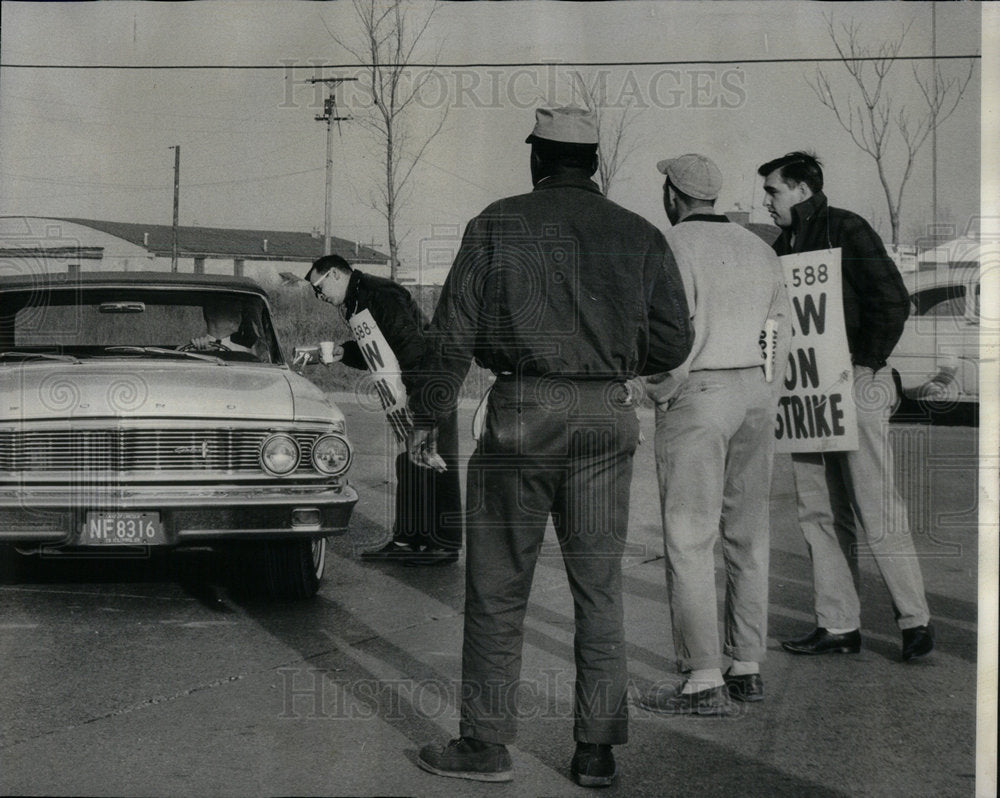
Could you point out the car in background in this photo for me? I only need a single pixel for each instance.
(937, 357)
(120, 435)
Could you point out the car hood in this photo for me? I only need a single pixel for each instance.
(131, 389)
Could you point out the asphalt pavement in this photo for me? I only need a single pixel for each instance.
(149, 678)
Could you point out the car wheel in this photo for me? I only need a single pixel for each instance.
(278, 569)
(939, 395)
(14, 566)
(293, 568)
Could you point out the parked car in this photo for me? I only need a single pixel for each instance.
(118, 432)
(937, 357)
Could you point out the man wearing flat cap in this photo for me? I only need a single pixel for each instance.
(565, 296)
(714, 445)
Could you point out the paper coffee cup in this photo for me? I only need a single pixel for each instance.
(326, 351)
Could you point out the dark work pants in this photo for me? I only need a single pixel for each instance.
(429, 504)
(548, 449)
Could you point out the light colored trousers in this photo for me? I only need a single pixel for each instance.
(849, 506)
(714, 450)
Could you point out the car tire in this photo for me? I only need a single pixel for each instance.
(939, 395)
(293, 569)
(275, 569)
(14, 566)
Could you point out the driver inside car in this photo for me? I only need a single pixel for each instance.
(223, 321)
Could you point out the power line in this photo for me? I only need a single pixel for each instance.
(494, 64)
(216, 163)
(90, 106)
(156, 186)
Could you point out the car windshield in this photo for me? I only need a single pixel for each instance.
(196, 325)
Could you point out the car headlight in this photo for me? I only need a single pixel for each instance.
(331, 455)
(279, 455)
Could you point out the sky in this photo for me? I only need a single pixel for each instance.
(79, 139)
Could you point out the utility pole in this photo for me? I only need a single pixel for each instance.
(177, 198)
(329, 116)
(934, 66)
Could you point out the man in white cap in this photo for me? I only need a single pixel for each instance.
(565, 296)
(714, 444)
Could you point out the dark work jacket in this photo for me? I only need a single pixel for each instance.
(398, 317)
(428, 504)
(876, 302)
(558, 282)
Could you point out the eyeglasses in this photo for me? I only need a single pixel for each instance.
(315, 286)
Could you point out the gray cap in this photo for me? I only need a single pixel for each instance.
(693, 174)
(568, 124)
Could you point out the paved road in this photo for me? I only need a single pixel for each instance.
(147, 678)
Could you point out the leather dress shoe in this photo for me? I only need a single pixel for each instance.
(711, 701)
(430, 556)
(917, 642)
(820, 641)
(390, 551)
(593, 765)
(745, 687)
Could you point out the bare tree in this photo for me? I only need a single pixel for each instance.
(390, 34)
(614, 143)
(875, 120)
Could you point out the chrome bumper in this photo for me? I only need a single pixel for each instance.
(32, 514)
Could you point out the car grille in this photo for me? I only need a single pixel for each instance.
(228, 450)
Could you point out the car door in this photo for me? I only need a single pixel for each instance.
(935, 326)
(968, 353)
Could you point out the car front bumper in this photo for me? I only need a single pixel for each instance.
(189, 514)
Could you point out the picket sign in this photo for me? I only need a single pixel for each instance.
(816, 412)
(384, 366)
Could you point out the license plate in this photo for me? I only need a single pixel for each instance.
(123, 529)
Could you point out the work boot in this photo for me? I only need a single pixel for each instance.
(466, 758)
(593, 765)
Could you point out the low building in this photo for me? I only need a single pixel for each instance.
(42, 244)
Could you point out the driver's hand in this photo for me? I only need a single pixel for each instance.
(205, 342)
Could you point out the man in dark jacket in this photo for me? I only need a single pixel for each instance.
(848, 503)
(565, 296)
(428, 525)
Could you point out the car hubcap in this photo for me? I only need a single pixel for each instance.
(319, 556)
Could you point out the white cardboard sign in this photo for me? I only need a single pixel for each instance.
(816, 412)
(384, 366)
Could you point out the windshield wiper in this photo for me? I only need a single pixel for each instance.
(40, 355)
(156, 350)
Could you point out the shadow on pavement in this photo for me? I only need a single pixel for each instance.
(668, 760)
(196, 572)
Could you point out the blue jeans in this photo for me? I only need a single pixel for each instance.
(561, 450)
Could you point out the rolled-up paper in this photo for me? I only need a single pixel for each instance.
(768, 346)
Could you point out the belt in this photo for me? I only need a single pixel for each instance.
(557, 377)
(617, 389)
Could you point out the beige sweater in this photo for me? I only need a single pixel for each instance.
(734, 284)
